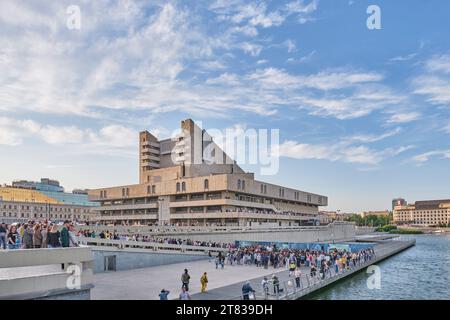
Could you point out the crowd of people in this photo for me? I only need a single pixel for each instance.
(319, 261)
(37, 234)
(149, 238)
(285, 213)
(319, 265)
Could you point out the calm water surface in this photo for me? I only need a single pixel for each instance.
(421, 272)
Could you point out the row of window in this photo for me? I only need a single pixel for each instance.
(152, 189)
(181, 187)
(44, 209)
(241, 186)
(27, 215)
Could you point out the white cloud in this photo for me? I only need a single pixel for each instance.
(290, 45)
(424, 157)
(374, 138)
(439, 63)
(436, 88)
(447, 128)
(158, 58)
(343, 151)
(404, 117)
(106, 138)
(403, 58)
(434, 83)
(126, 54)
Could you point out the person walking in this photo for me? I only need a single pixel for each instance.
(185, 277)
(204, 282)
(53, 237)
(163, 295)
(3, 232)
(28, 236)
(276, 284)
(72, 237)
(65, 237)
(184, 295)
(13, 238)
(297, 276)
(37, 236)
(247, 290)
(44, 233)
(265, 287)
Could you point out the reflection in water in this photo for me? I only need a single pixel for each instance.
(421, 272)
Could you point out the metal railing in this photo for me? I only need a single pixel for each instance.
(153, 246)
(290, 290)
(204, 229)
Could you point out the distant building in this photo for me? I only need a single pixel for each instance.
(334, 215)
(384, 213)
(27, 200)
(423, 213)
(45, 185)
(398, 202)
(180, 185)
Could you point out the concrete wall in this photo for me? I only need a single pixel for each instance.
(139, 258)
(38, 280)
(332, 232)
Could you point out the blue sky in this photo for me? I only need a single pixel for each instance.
(363, 114)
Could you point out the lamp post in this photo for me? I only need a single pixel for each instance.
(160, 206)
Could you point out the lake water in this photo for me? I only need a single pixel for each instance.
(419, 273)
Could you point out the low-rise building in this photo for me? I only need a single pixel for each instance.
(423, 213)
(27, 200)
(383, 213)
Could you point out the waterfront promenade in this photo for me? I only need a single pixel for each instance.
(224, 284)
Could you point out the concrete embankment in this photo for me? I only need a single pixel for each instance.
(383, 250)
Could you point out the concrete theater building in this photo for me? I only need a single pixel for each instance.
(188, 180)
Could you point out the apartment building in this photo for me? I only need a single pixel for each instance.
(424, 213)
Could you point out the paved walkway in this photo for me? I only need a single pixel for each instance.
(229, 292)
(223, 284)
(146, 283)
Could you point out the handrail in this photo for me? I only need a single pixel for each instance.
(313, 281)
(205, 229)
(40, 257)
(155, 246)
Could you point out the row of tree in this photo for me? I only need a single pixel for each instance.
(370, 220)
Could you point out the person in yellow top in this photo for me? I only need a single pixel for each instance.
(204, 281)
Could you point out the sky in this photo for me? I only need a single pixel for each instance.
(363, 114)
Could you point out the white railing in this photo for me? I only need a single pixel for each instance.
(153, 246)
(204, 229)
